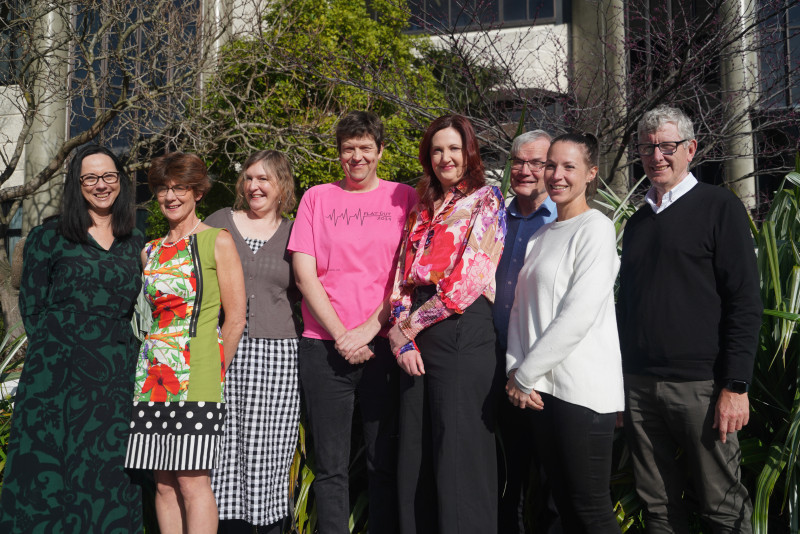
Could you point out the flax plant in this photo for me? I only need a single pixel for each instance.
(9, 371)
(774, 441)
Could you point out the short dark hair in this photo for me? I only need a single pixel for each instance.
(75, 221)
(591, 154)
(357, 124)
(276, 163)
(184, 169)
(429, 188)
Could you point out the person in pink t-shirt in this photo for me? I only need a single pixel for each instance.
(344, 245)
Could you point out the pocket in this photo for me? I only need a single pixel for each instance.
(305, 344)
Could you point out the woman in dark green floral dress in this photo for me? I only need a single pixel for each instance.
(81, 278)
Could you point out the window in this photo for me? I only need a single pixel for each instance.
(14, 230)
(10, 47)
(438, 14)
(780, 56)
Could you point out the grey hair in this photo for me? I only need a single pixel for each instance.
(661, 115)
(528, 137)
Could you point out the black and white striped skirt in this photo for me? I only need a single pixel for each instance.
(175, 436)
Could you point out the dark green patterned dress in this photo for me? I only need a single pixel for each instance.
(65, 469)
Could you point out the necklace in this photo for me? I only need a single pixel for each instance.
(164, 241)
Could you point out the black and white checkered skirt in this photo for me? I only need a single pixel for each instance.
(175, 436)
(263, 411)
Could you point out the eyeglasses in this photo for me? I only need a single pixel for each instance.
(667, 147)
(535, 165)
(90, 180)
(179, 190)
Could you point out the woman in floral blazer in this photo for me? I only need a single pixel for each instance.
(444, 339)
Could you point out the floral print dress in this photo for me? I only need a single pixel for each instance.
(178, 409)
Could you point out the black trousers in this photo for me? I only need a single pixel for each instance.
(575, 444)
(447, 474)
(520, 472)
(330, 385)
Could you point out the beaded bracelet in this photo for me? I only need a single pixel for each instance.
(411, 345)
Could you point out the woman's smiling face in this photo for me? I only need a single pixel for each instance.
(447, 157)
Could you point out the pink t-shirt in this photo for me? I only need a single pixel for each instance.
(355, 238)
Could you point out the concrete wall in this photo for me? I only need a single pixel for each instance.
(537, 55)
(11, 106)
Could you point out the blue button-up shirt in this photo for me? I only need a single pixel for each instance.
(519, 230)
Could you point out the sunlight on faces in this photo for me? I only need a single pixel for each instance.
(359, 157)
(261, 189)
(665, 172)
(525, 181)
(447, 157)
(101, 196)
(177, 208)
(567, 173)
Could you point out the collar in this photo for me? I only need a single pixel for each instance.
(672, 195)
(461, 187)
(547, 206)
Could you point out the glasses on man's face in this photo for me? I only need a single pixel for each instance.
(534, 165)
(667, 147)
(90, 180)
(179, 190)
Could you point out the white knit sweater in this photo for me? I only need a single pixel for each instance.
(562, 337)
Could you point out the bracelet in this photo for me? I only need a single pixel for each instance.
(411, 345)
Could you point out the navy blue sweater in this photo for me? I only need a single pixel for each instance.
(689, 305)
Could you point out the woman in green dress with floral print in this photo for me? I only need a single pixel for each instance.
(81, 277)
(178, 409)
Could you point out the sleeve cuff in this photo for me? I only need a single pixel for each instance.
(409, 329)
(522, 388)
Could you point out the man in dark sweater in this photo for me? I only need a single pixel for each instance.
(689, 312)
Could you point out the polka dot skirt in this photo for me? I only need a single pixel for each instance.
(175, 436)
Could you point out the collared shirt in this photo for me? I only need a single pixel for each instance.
(672, 195)
(456, 250)
(519, 229)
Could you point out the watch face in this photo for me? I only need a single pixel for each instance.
(738, 386)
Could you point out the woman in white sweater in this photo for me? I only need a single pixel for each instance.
(563, 357)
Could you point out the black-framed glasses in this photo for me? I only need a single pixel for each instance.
(534, 164)
(180, 190)
(90, 180)
(667, 147)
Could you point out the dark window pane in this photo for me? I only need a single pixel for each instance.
(773, 81)
(417, 19)
(542, 9)
(514, 10)
(436, 14)
(462, 12)
(794, 65)
(794, 15)
(487, 11)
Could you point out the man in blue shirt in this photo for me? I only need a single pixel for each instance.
(530, 209)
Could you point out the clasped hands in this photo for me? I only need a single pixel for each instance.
(353, 345)
(519, 398)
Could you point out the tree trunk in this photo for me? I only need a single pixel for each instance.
(10, 276)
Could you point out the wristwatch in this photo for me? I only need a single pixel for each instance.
(737, 386)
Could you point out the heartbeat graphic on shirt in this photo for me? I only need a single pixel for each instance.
(359, 216)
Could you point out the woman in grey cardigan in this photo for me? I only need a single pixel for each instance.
(261, 390)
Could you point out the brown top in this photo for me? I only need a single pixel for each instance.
(268, 280)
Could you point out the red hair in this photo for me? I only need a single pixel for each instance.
(429, 187)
